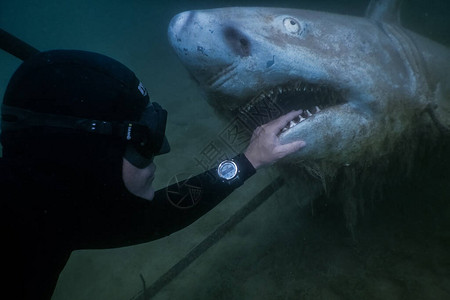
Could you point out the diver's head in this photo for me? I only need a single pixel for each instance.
(64, 103)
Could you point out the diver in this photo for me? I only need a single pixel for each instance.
(79, 136)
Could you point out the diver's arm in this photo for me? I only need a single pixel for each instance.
(136, 220)
(182, 203)
(133, 220)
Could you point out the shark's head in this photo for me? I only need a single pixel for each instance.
(345, 72)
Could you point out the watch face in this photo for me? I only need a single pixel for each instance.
(227, 169)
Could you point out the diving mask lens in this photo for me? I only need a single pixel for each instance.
(147, 137)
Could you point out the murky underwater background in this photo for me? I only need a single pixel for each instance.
(280, 250)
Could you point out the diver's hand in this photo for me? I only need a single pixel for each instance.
(265, 147)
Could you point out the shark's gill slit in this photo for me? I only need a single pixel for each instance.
(218, 78)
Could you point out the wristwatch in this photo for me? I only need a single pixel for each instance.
(227, 170)
(235, 170)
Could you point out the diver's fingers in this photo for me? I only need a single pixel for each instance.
(276, 125)
(287, 149)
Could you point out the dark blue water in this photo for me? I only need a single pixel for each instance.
(278, 252)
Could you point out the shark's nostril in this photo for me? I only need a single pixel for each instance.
(244, 43)
(237, 41)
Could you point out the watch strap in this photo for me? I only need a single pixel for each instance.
(245, 170)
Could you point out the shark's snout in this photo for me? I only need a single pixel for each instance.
(184, 29)
(178, 23)
(212, 50)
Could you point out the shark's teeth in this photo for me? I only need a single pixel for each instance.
(311, 98)
(300, 118)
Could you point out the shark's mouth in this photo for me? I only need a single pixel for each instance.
(274, 102)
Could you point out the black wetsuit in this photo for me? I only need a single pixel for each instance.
(49, 211)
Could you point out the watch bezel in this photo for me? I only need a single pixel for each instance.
(224, 163)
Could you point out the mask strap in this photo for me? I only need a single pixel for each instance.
(14, 118)
(15, 46)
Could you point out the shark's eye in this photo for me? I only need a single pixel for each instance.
(292, 25)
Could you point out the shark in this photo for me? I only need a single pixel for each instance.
(372, 92)
(362, 82)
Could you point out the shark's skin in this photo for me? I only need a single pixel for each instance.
(392, 80)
